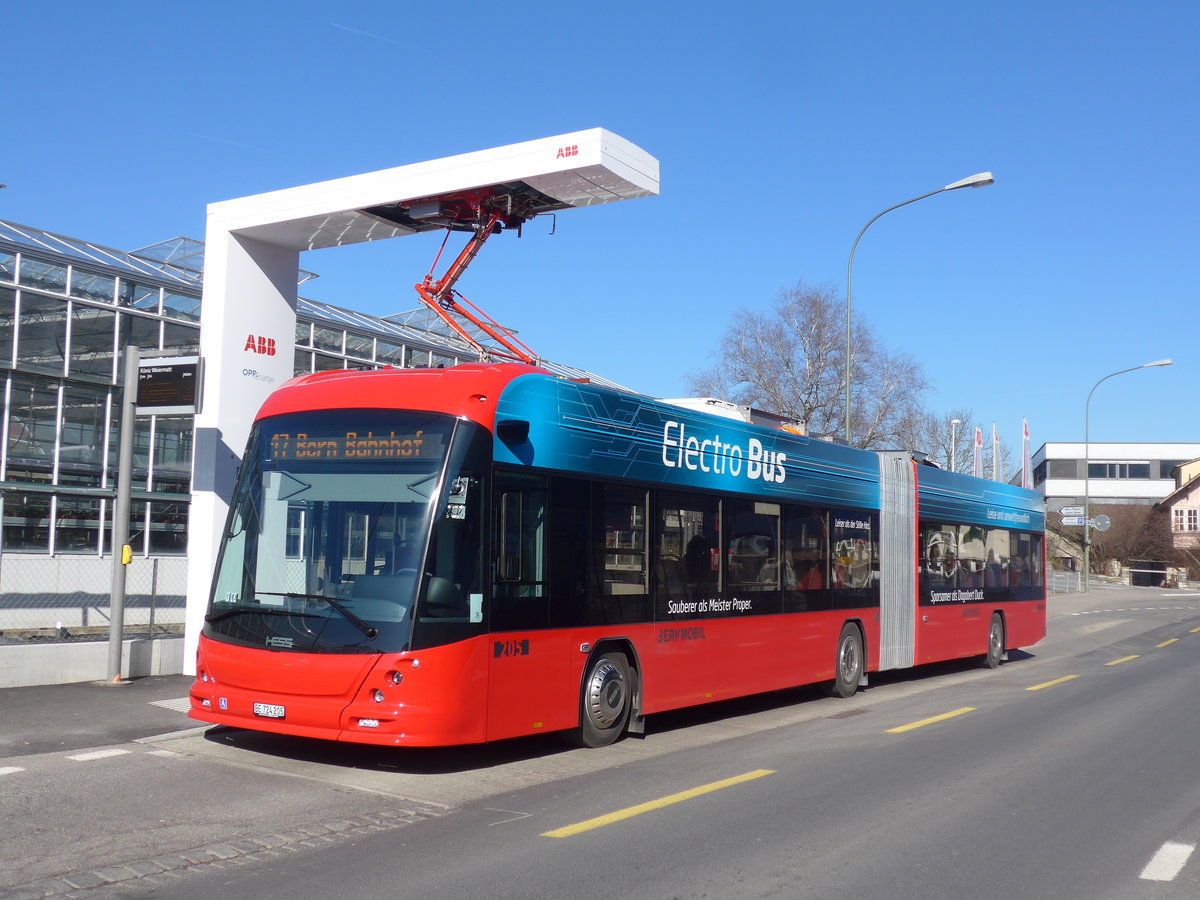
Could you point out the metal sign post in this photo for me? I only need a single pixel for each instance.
(120, 521)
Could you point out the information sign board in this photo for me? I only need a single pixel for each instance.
(169, 386)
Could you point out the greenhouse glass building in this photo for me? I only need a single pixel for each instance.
(68, 308)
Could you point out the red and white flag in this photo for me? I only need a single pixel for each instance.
(977, 469)
(997, 466)
(1026, 481)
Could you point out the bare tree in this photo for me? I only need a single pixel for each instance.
(1135, 533)
(931, 433)
(792, 361)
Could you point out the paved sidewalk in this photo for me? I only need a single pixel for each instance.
(50, 718)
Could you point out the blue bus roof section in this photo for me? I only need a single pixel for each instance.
(586, 429)
(954, 497)
(589, 430)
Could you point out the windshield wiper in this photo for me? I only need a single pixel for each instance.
(261, 610)
(366, 628)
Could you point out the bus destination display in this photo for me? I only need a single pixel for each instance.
(355, 445)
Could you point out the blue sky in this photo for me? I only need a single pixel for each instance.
(781, 128)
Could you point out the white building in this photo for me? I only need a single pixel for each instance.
(1117, 473)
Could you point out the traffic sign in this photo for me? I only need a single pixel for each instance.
(1101, 523)
(1072, 510)
(1072, 520)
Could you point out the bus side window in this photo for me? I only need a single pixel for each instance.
(519, 577)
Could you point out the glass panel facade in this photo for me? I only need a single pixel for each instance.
(327, 339)
(77, 525)
(82, 445)
(181, 306)
(141, 443)
(139, 296)
(359, 346)
(8, 265)
(42, 335)
(92, 342)
(172, 454)
(303, 363)
(32, 421)
(184, 339)
(387, 353)
(90, 286)
(139, 331)
(168, 528)
(8, 325)
(45, 275)
(27, 522)
(323, 363)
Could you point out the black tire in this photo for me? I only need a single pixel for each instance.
(995, 644)
(605, 700)
(848, 662)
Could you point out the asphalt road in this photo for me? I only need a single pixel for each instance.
(1075, 789)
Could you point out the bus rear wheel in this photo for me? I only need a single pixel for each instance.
(995, 645)
(605, 701)
(848, 664)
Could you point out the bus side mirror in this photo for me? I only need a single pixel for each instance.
(513, 431)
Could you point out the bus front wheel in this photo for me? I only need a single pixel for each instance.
(848, 664)
(605, 701)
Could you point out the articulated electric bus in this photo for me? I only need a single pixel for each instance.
(453, 556)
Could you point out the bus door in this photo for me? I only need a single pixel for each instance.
(529, 686)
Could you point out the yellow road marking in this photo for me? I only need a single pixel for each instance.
(630, 812)
(1046, 684)
(1166, 643)
(930, 721)
(1117, 662)
(1195, 630)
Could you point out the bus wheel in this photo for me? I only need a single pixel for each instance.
(605, 701)
(995, 647)
(849, 664)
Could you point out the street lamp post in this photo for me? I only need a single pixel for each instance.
(1087, 452)
(983, 179)
(954, 423)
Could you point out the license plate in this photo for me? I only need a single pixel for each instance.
(269, 710)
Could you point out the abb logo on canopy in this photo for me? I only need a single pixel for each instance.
(564, 152)
(264, 346)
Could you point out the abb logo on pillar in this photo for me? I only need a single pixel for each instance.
(263, 346)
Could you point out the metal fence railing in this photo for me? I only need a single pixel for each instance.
(1064, 582)
(64, 599)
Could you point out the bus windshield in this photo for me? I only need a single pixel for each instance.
(329, 528)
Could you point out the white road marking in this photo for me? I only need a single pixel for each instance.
(1168, 861)
(97, 754)
(10, 770)
(1096, 612)
(183, 704)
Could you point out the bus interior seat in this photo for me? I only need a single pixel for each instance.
(382, 597)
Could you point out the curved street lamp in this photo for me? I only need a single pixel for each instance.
(1087, 521)
(983, 179)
